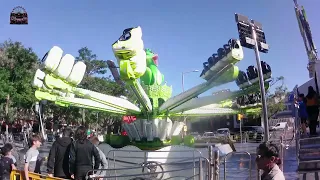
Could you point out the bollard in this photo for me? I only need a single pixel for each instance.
(216, 165)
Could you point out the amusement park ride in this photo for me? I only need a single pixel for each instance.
(308, 148)
(138, 67)
(306, 35)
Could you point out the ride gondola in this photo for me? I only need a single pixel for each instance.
(242, 80)
(231, 53)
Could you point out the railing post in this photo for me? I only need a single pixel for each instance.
(281, 152)
(211, 163)
(200, 169)
(258, 171)
(216, 164)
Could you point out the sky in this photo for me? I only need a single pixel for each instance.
(183, 33)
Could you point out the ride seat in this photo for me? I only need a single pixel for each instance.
(252, 72)
(221, 53)
(38, 78)
(52, 58)
(65, 66)
(77, 73)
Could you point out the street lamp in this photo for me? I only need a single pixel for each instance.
(252, 37)
(185, 118)
(183, 73)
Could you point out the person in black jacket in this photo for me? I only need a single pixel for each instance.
(58, 160)
(81, 153)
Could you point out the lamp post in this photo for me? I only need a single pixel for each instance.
(183, 73)
(252, 37)
(185, 118)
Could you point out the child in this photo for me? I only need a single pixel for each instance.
(32, 159)
(303, 113)
(9, 146)
(6, 162)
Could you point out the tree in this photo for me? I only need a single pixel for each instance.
(94, 66)
(276, 100)
(94, 80)
(17, 67)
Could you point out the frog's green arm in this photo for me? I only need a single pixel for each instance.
(152, 74)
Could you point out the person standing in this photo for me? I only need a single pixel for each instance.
(303, 113)
(268, 161)
(312, 110)
(32, 158)
(104, 163)
(58, 161)
(6, 162)
(10, 147)
(82, 152)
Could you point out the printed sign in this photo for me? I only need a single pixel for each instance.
(19, 16)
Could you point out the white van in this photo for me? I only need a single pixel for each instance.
(279, 126)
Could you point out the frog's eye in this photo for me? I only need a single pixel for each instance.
(125, 37)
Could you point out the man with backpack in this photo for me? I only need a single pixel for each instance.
(58, 161)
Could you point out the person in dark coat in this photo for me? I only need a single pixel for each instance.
(58, 161)
(82, 152)
(312, 110)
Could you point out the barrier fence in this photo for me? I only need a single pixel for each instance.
(19, 175)
(198, 167)
(188, 164)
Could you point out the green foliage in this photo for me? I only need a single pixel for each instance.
(94, 80)
(189, 140)
(149, 145)
(276, 100)
(94, 66)
(17, 67)
(117, 141)
(176, 140)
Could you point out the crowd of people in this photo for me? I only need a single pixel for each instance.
(309, 111)
(70, 157)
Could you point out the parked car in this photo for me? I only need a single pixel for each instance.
(196, 135)
(208, 135)
(223, 132)
(255, 133)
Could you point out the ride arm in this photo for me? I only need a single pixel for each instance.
(228, 71)
(79, 102)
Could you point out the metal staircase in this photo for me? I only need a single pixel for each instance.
(309, 154)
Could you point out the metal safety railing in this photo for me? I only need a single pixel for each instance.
(214, 167)
(155, 171)
(171, 164)
(237, 153)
